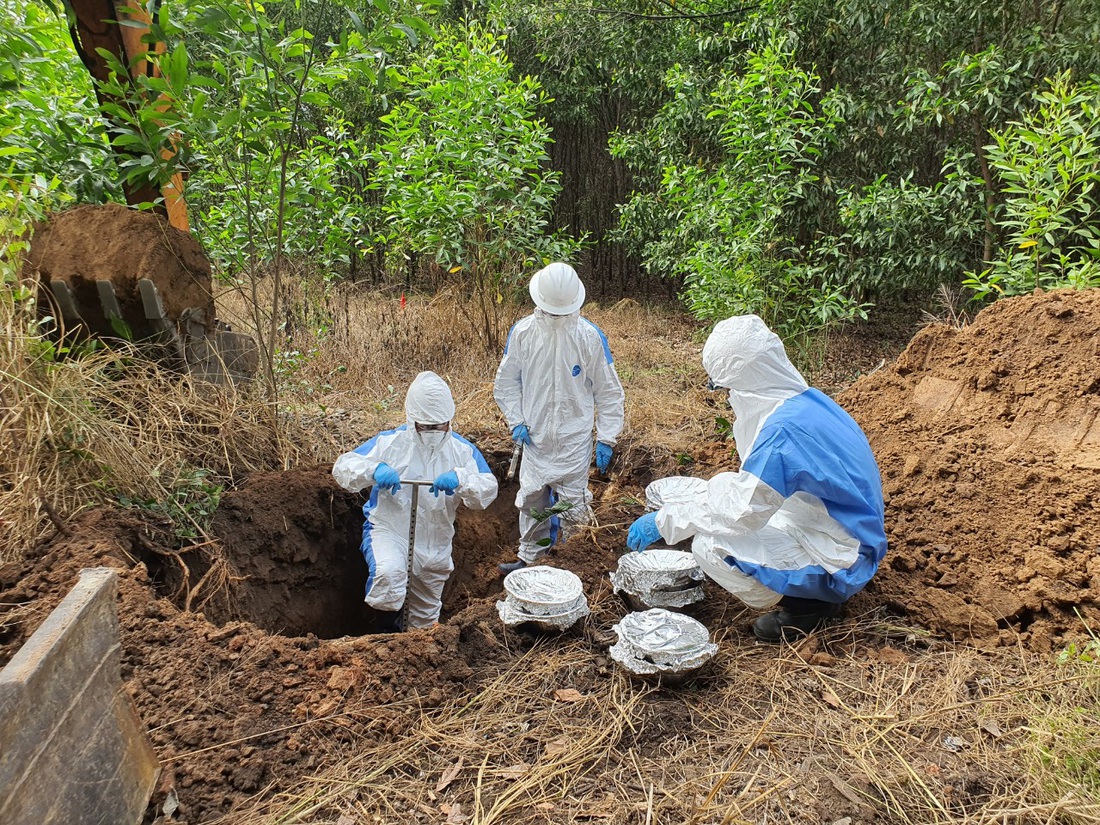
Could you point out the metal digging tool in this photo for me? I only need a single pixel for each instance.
(416, 485)
(513, 465)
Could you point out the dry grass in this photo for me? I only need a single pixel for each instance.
(842, 726)
(75, 431)
(354, 374)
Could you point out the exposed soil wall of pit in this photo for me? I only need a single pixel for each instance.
(482, 540)
(290, 545)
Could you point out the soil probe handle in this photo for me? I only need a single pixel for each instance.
(416, 484)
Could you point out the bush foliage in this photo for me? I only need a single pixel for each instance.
(800, 159)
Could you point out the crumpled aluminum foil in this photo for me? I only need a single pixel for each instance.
(550, 597)
(660, 577)
(512, 614)
(661, 641)
(674, 490)
(543, 590)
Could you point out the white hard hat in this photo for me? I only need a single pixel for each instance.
(557, 289)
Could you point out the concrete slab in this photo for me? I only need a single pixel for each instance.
(73, 747)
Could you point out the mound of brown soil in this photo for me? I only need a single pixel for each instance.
(113, 243)
(988, 438)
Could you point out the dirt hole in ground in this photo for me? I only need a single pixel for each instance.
(288, 558)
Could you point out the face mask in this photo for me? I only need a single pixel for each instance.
(432, 438)
(557, 322)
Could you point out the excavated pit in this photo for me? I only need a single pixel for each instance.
(288, 558)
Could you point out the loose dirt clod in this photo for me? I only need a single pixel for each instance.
(113, 243)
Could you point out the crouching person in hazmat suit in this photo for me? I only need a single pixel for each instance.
(800, 526)
(556, 376)
(426, 448)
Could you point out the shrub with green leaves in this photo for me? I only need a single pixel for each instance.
(461, 165)
(1048, 163)
(51, 134)
(719, 216)
(188, 505)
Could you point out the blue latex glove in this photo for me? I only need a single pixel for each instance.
(445, 483)
(520, 434)
(386, 477)
(603, 456)
(643, 533)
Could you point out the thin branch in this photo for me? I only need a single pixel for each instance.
(634, 15)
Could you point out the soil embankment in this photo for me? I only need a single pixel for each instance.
(988, 439)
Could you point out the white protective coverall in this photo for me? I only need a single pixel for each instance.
(804, 516)
(557, 373)
(386, 530)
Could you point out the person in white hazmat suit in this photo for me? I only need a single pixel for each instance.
(557, 373)
(424, 447)
(800, 527)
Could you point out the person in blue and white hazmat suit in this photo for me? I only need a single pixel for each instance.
(800, 527)
(424, 447)
(557, 374)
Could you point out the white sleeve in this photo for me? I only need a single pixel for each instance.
(736, 503)
(508, 386)
(607, 390)
(476, 489)
(354, 471)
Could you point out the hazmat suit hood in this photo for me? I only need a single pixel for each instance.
(745, 357)
(428, 401)
(554, 323)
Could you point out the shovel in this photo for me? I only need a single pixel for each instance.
(416, 485)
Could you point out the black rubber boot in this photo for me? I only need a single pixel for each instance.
(794, 619)
(387, 621)
(511, 566)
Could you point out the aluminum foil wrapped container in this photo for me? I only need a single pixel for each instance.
(659, 577)
(674, 490)
(551, 598)
(659, 641)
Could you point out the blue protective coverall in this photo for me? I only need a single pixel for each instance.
(424, 456)
(804, 517)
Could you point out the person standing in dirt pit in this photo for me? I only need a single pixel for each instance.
(801, 525)
(424, 447)
(557, 373)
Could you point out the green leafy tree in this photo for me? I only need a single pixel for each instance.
(718, 216)
(1048, 165)
(243, 102)
(461, 168)
(51, 130)
(909, 196)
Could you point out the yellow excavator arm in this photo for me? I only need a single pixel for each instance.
(109, 272)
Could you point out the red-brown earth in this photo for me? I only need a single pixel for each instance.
(989, 446)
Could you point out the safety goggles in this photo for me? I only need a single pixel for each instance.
(433, 428)
(712, 387)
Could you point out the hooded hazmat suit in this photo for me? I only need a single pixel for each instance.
(557, 374)
(413, 455)
(804, 516)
